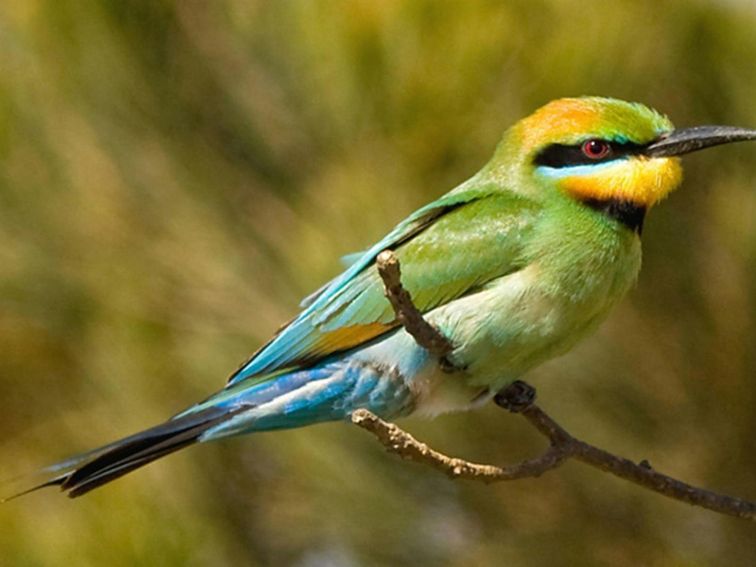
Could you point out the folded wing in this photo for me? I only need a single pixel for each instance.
(446, 249)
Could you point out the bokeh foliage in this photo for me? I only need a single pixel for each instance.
(175, 175)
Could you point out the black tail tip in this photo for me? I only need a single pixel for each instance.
(113, 461)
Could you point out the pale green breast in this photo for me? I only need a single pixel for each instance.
(578, 265)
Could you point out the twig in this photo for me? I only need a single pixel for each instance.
(398, 441)
(519, 397)
(425, 334)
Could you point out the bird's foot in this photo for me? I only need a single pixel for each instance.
(516, 397)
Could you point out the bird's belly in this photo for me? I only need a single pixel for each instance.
(523, 320)
(501, 332)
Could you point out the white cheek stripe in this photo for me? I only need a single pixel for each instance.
(579, 170)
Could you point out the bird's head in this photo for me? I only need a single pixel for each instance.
(600, 150)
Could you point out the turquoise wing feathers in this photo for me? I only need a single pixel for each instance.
(488, 224)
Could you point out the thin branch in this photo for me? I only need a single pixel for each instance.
(398, 441)
(425, 334)
(519, 397)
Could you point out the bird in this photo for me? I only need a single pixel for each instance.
(514, 266)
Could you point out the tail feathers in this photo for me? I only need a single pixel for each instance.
(121, 457)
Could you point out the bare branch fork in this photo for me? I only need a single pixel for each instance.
(519, 397)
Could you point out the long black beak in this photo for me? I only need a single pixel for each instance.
(688, 140)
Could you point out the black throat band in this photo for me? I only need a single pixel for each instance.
(625, 212)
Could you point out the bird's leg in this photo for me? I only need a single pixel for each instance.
(516, 397)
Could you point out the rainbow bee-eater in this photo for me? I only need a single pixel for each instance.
(513, 266)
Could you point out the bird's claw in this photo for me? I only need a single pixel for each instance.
(516, 397)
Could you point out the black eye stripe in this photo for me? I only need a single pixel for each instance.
(559, 155)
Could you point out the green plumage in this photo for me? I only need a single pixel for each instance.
(514, 267)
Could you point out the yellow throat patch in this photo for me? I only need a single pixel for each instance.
(639, 180)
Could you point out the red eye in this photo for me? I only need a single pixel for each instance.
(596, 149)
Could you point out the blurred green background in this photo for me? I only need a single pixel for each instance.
(176, 175)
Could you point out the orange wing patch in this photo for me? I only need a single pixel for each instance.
(345, 338)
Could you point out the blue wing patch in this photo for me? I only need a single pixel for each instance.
(304, 340)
